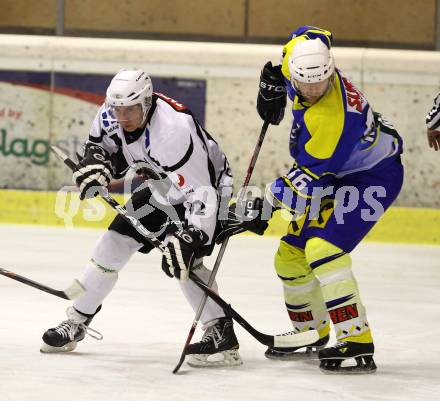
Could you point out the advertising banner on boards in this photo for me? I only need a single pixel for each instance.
(42, 108)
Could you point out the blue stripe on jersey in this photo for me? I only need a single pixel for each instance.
(147, 138)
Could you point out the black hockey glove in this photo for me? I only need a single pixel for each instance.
(271, 99)
(182, 252)
(248, 216)
(148, 172)
(93, 171)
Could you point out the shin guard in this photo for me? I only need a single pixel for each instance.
(332, 267)
(302, 293)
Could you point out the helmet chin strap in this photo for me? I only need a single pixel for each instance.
(146, 108)
(295, 86)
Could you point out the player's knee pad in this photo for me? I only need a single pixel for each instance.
(329, 262)
(112, 251)
(291, 265)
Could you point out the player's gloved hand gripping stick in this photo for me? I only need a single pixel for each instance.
(223, 246)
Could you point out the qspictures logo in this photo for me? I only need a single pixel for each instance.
(37, 150)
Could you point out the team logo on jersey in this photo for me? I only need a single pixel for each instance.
(181, 181)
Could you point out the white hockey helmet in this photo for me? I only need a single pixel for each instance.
(130, 87)
(311, 61)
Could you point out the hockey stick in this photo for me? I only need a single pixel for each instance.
(285, 341)
(223, 247)
(75, 290)
(290, 339)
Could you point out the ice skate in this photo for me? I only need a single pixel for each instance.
(218, 347)
(297, 353)
(65, 337)
(332, 358)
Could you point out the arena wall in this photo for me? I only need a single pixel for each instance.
(39, 110)
(391, 23)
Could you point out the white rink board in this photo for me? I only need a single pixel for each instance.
(145, 322)
(400, 84)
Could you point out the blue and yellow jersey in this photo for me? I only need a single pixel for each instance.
(337, 136)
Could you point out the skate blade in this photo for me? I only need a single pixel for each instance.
(294, 356)
(49, 349)
(364, 365)
(348, 370)
(220, 359)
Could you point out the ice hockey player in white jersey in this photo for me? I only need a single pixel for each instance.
(136, 126)
(433, 125)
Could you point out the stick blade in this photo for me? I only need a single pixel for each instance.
(292, 339)
(75, 290)
(179, 365)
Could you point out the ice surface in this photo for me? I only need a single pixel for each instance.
(145, 322)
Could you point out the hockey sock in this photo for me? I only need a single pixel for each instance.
(111, 253)
(194, 296)
(332, 266)
(302, 292)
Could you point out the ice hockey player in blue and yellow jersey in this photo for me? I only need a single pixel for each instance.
(346, 172)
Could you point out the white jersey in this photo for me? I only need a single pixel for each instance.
(433, 117)
(175, 143)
